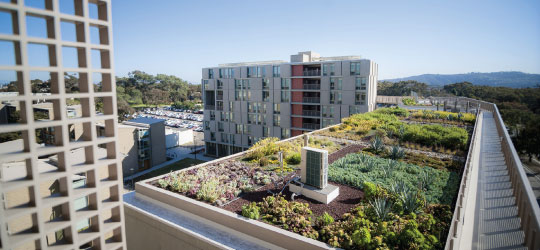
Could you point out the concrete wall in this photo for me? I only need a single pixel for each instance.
(144, 232)
(128, 149)
(157, 137)
(174, 137)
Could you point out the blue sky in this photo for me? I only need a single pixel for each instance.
(404, 37)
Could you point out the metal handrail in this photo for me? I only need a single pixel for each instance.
(311, 86)
(311, 113)
(528, 209)
(311, 99)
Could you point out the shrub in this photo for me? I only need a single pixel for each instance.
(293, 158)
(361, 237)
(408, 101)
(251, 211)
(393, 111)
(324, 220)
(358, 169)
(263, 148)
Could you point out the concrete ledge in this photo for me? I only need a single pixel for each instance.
(325, 195)
(254, 228)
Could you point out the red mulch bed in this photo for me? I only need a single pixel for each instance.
(353, 148)
(348, 198)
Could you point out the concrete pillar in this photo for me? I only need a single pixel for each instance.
(437, 105)
(444, 107)
(306, 140)
(467, 108)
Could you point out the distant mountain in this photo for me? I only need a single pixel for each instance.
(513, 79)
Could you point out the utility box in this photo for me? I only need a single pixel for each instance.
(314, 167)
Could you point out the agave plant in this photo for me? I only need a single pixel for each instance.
(459, 116)
(411, 201)
(401, 132)
(425, 180)
(399, 187)
(377, 145)
(397, 152)
(382, 207)
(389, 167)
(450, 117)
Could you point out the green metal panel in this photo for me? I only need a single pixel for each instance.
(313, 169)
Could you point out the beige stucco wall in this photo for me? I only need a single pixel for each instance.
(128, 150)
(144, 232)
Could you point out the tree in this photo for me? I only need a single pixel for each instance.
(123, 109)
(156, 96)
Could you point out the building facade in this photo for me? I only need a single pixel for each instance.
(141, 144)
(244, 102)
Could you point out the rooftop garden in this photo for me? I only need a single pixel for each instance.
(397, 170)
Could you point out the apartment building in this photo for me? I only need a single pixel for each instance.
(141, 143)
(60, 183)
(244, 102)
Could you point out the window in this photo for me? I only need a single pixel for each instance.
(328, 111)
(232, 140)
(231, 116)
(266, 83)
(250, 140)
(212, 115)
(276, 71)
(226, 73)
(360, 98)
(247, 129)
(285, 83)
(210, 73)
(285, 96)
(206, 125)
(237, 84)
(277, 107)
(219, 95)
(222, 116)
(231, 106)
(251, 118)
(247, 96)
(220, 126)
(328, 69)
(254, 71)
(263, 69)
(335, 97)
(355, 68)
(246, 84)
(266, 131)
(327, 122)
(360, 83)
(224, 137)
(266, 96)
(212, 136)
(354, 110)
(285, 133)
(219, 84)
(277, 120)
(335, 83)
(238, 95)
(239, 129)
(205, 84)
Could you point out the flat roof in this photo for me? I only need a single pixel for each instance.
(145, 120)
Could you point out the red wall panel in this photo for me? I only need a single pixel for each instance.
(297, 70)
(297, 83)
(295, 132)
(296, 122)
(297, 109)
(296, 96)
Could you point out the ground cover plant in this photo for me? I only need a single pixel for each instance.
(217, 184)
(357, 169)
(388, 122)
(443, 117)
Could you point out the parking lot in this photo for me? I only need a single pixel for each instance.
(176, 118)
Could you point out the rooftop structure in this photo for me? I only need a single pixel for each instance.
(245, 102)
(477, 195)
(64, 203)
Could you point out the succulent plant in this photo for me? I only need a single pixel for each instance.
(377, 145)
(397, 152)
(381, 207)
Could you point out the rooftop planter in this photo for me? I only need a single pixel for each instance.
(395, 201)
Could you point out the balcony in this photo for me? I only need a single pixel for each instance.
(311, 86)
(313, 126)
(219, 108)
(314, 72)
(209, 107)
(311, 99)
(311, 113)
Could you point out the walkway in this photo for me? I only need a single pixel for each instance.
(496, 222)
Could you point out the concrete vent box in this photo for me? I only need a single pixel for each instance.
(314, 167)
